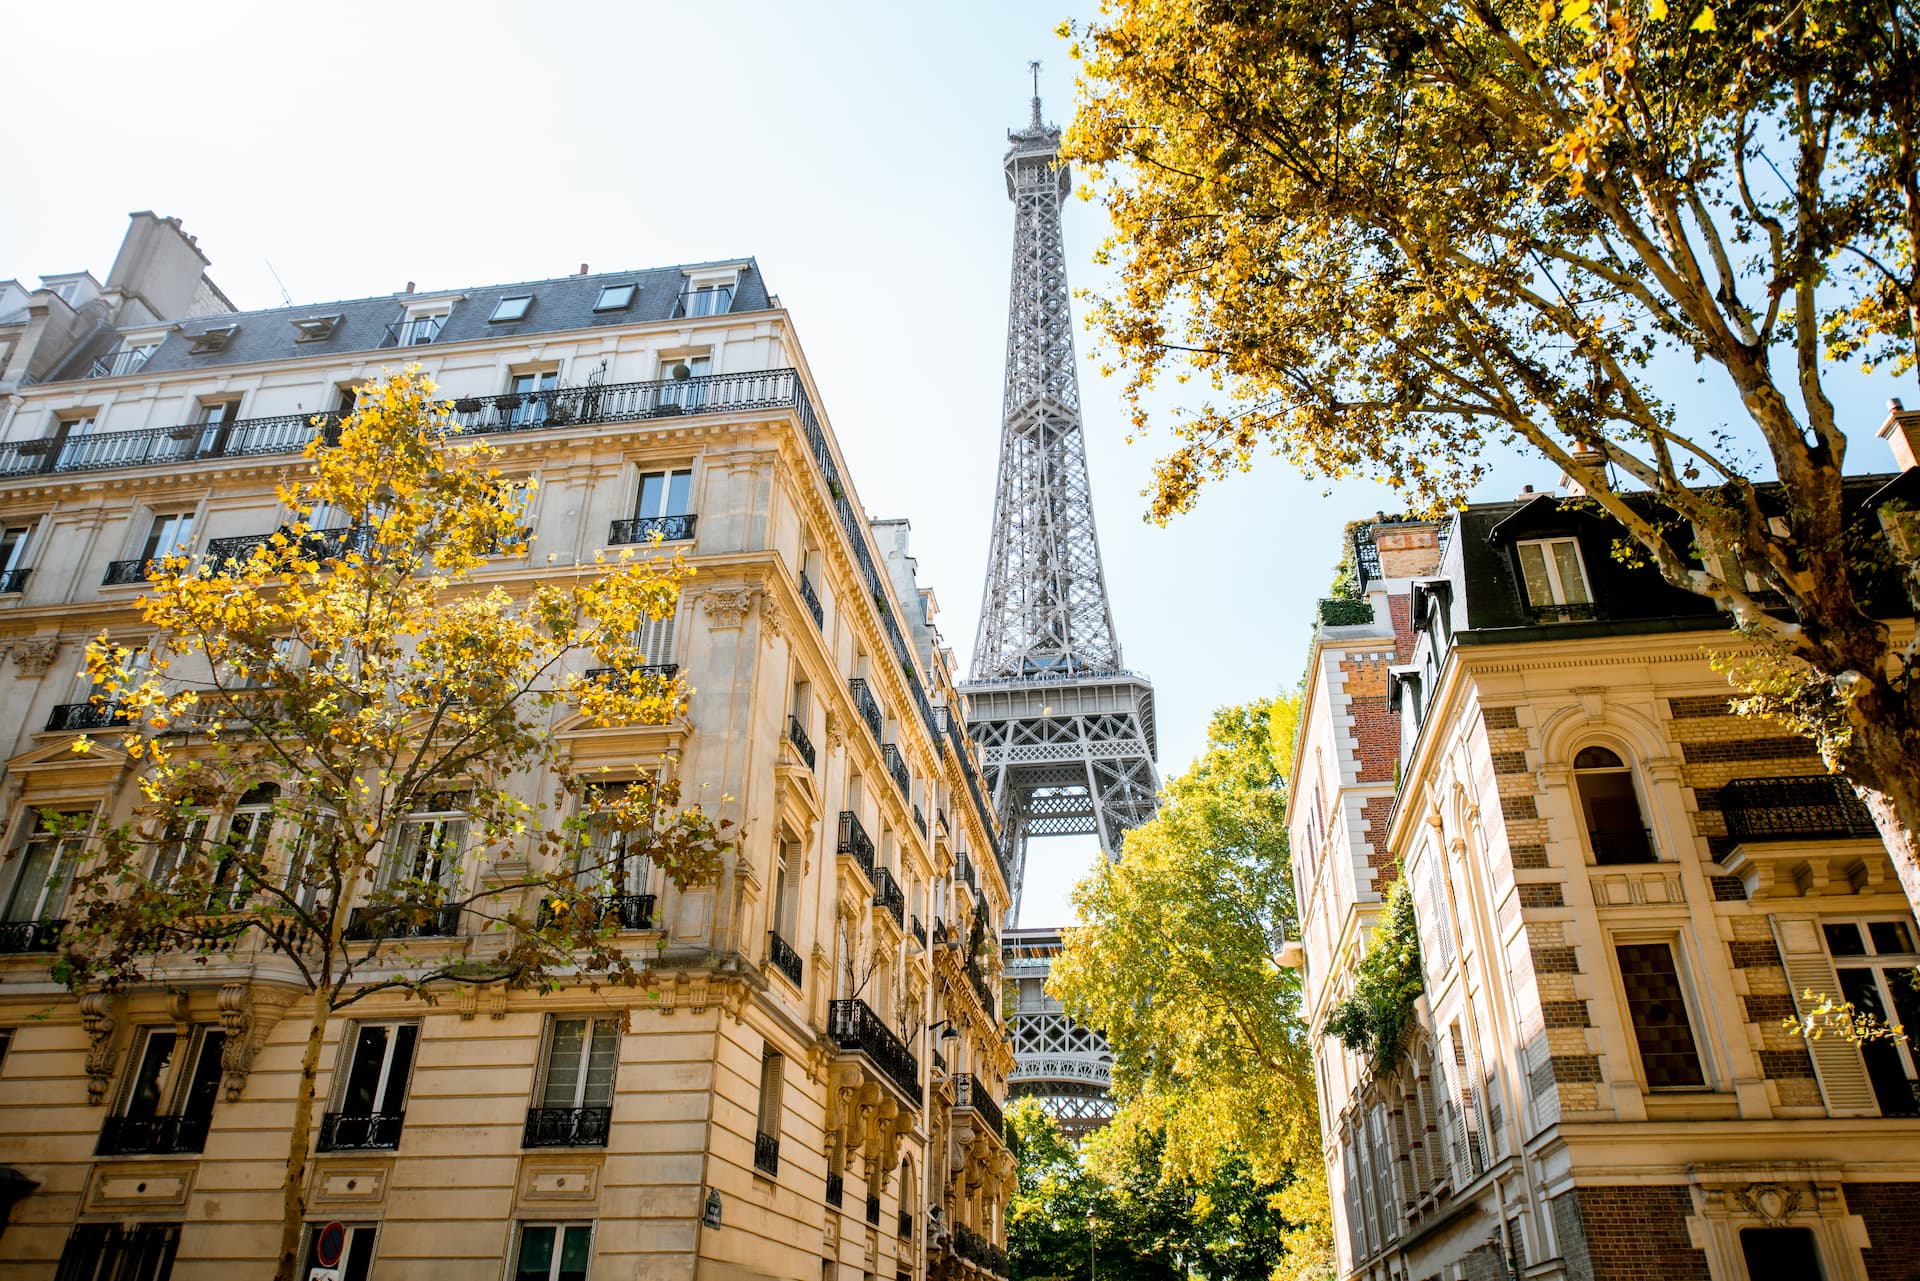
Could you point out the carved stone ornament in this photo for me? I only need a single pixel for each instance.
(729, 607)
(1769, 1202)
(33, 655)
(246, 1019)
(836, 729)
(771, 617)
(100, 1016)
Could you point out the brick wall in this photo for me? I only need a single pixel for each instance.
(1376, 730)
(1768, 999)
(1629, 1234)
(1891, 1212)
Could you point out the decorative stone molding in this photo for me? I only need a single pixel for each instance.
(1771, 1203)
(772, 617)
(729, 607)
(100, 1016)
(33, 655)
(246, 1017)
(836, 729)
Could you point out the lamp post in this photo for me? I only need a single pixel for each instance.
(1091, 1221)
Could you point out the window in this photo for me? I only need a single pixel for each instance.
(514, 308)
(215, 420)
(1659, 1011)
(1555, 580)
(1878, 965)
(314, 853)
(573, 1105)
(315, 328)
(706, 300)
(1780, 1254)
(72, 434)
(167, 1102)
(427, 847)
(1616, 830)
(208, 341)
(112, 1252)
(249, 830)
(614, 861)
(527, 406)
(180, 845)
(614, 297)
(169, 535)
(43, 864)
(130, 359)
(418, 328)
(356, 1253)
(372, 1095)
(664, 493)
(683, 386)
(786, 891)
(13, 558)
(766, 1139)
(552, 1252)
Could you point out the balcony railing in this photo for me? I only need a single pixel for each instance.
(128, 360)
(630, 911)
(1625, 845)
(887, 895)
(13, 580)
(123, 573)
(983, 990)
(797, 735)
(855, 843)
(855, 1027)
(969, 1092)
(784, 958)
(360, 1131)
(415, 331)
(963, 872)
(865, 706)
(766, 1154)
(641, 529)
(1580, 613)
(366, 924)
(289, 433)
(977, 1249)
(72, 716)
(663, 671)
(918, 931)
(812, 598)
(836, 1190)
(566, 1128)
(906, 1226)
(717, 301)
(163, 1135)
(920, 820)
(873, 1210)
(1785, 809)
(30, 936)
(897, 766)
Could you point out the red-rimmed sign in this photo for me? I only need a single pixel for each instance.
(328, 1244)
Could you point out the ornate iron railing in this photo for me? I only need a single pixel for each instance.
(100, 451)
(167, 1134)
(784, 958)
(766, 1154)
(963, 872)
(865, 706)
(72, 716)
(897, 766)
(566, 1128)
(983, 990)
(918, 931)
(1627, 845)
(797, 735)
(1581, 613)
(855, 1027)
(974, 789)
(664, 671)
(975, 1248)
(13, 580)
(30, 936)
(812, 598)
(1821, 805)
(836, 1189)
(887, 895)
(632, 911)
(970, 1092)
(641, 529)
(855, 843)
(123, 573)
(360, 1131)
(919, 820)
(365, 924)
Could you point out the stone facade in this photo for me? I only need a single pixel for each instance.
(1621, 890)
(743, 1137)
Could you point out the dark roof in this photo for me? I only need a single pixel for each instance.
(560, 304)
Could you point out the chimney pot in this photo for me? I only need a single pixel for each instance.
(409, 286)
(583, 268)
(1901, 431)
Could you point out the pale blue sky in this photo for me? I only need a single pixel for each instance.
(853, 149)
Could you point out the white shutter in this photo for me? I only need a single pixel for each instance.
(1836, 1061)
(654, 639)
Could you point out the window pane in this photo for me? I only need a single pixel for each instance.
(536, 1254)
(1533, 568)
(156, 1057)
(1659, 1014)
(204, 1088)
(602, 1061)
(394, 1097)
(363, 1078)
(1843, 939)
(1891, 1088)
(575, 1249)
(678, 491)
(1615, 828)
(1573, 584)
(653, 492)
(563, 1064)
(1891, 938)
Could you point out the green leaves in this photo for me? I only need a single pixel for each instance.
(1378, 1012)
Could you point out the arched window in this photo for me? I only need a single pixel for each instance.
(1616, 829)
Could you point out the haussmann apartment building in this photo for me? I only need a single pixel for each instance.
(805, 1085)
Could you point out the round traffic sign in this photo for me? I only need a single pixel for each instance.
(328, 1245)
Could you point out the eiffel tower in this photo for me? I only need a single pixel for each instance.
(1066, 731)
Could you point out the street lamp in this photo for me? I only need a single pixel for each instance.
(1091, 1221)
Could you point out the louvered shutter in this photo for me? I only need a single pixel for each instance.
(1836, 1061)
(654, 639)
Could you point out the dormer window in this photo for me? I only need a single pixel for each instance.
(1556, 580)
(509, 309)
(615, 297)
(316, 328)
(711, 299)
(132, 357)
(212, 340)
(418, 329)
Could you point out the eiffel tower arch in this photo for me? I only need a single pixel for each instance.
(1066, 731)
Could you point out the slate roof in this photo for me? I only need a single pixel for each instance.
(560, 304)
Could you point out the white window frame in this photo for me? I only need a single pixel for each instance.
(69, 849)
(666, 475)
(594, 1023)
(1552, 568)
(176, 1081)
(602, 304)
(343, 1071)
(1879, 963)
(561, 1227)
(525, 309)
(448, 828)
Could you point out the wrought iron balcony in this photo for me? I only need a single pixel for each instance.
(1625, 845)
(855, 843)
(1788, 809)
(977, 1249)
(630, 911)
(897, 766)
(918, 931)
(865, 706)
(87, 715)
(836, 1189)
(360, 1131)
(784, 958)
(167, 1134)
(566, 1128)
(766, 1154)
(963, 872)
(812, 598)
(873, 1210)
(365, 924)
(13, 580)
(123, 573)
(982, 989)
(970, 1092)
(919, 820)
(662, 671)
(797, 735)
(906, 1226)
(887, 895)
(30, 936)
(1580, 613)
(856, 1028)
(641, 529)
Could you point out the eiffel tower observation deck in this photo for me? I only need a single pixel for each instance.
(1066, 731)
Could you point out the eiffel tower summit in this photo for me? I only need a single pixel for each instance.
(1066, 731)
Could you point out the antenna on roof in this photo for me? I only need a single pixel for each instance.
(284, 295)
(1034, 66)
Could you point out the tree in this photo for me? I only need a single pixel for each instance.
(1176, 958)
(1393, 233)
(342, 679)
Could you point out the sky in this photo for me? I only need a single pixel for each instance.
(854, 150)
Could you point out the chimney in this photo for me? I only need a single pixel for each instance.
(1901, 431)
(1526, 495)
(409, 286)
(583, 268)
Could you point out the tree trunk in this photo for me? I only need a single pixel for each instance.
(1885, 764)
(293, 1204)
